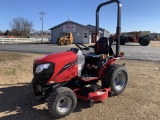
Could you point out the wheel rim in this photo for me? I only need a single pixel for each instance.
(63, 42)
(68, 42)
(64, 104)
(120, 80)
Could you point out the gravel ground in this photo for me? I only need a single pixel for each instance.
(155, 43)
(139, 101)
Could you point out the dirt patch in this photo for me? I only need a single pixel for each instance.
(155, 44)
(157, 39)
(139, 101)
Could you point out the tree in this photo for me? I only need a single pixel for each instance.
(21, 26)
(1, 33)
(7, 33)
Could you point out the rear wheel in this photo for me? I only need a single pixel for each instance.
(116, 77)
(62, 102)
(123, 41)
(144, 42)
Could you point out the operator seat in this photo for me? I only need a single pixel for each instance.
(102, 46)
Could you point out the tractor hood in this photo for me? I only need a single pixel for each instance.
(62, 62)
(57, 57)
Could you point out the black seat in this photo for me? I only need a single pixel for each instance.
(102, 46)
(94, 61)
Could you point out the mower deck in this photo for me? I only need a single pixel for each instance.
(92, 92)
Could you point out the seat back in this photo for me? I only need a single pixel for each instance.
(102, 46)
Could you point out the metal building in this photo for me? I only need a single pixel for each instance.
(81, 33)
(102, 32)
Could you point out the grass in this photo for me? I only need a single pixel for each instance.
(9, 71)
(139, 101)
(10, 62)
(6, 56)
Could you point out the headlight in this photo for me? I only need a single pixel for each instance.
(41, 67)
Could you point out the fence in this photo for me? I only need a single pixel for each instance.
(22, 40)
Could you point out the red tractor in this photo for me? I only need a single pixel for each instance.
(63, 77)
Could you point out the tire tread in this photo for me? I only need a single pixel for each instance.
(55, 95)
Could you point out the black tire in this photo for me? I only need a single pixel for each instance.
(68, 42)
(62, 102)
(144, 42)
(34, 86)
(33, 82)
(91, 103)
(63, 42)
(123, 41)
(116, 77)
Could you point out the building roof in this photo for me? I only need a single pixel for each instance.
(68, 21)
(95, 27)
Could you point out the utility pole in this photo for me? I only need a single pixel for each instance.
(41, 18)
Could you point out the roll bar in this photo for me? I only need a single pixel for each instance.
(118, 29)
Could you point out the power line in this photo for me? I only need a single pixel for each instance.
(41, 18)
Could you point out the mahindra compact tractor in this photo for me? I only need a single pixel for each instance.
(63, 77)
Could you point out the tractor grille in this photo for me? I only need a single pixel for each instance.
(43, 77)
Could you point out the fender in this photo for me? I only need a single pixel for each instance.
(110, 61)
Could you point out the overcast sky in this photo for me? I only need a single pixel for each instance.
(137, 15)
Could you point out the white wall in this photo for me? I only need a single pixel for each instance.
(78, 36)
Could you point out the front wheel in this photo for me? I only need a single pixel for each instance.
(63, 42)
(34, 86)
(116, 77)
(68, 42)
(62, 102)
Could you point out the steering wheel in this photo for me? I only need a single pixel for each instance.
(82, 46)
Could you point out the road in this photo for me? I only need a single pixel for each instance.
(131, 50)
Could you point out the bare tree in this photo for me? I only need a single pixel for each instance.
(21, 26)
(7, 33)
(1, 33)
